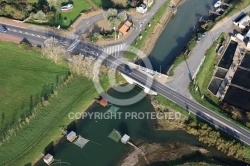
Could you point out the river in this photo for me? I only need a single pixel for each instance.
(178, 32)
(102, 150)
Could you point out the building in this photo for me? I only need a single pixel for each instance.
(125, 139)
(48, 159)
(248, 35)
(71, 136)
(103, 102)
(242, 21)
(142, 8)
(125, 27)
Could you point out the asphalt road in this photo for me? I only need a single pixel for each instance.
(193, 107)
(211, 117)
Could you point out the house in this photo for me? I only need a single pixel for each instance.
(242, 21)
(240, 36)
(248, 34)
(125, 27)
(142, 8)
(103, 102)
(71, 136)
(48, 159)
(148, 2)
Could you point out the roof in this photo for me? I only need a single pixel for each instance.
(244, 20)
(125, 139)
(71, 136)
(128, 23)
(240, 36)
(48, 158)
(248, 34)
(103, 102)
(124, 28)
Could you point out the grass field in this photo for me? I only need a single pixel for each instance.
(203, 79)
(29, 73)
(103, 3)
(28, 144)
(65, 19)
(22, 75)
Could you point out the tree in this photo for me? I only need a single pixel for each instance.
(113, 19)
(40, 16)
(122, 16)
(110, 13)
(52, 50)
(115, 22)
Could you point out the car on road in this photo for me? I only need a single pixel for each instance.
(3, 29)
(127, 69)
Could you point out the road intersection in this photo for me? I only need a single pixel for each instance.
(77, 46)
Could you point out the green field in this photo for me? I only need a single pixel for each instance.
(28, 144)
(22, 74)
(103, 3)
(65, 19)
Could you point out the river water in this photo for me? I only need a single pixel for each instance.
(178, 32)
(103, 151)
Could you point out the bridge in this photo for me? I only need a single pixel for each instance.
(139, 78)
(133, 81)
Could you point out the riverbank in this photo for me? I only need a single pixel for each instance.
(157, 153)
(147, 39)
(159, 27)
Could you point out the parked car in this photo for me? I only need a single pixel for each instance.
(198, 40)
(204, 34)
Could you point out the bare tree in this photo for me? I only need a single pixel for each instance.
(53, 51)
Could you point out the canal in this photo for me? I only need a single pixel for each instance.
(178, 32)
(103, 151)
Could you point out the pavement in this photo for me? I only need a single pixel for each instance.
(184, 73)
(187, 70)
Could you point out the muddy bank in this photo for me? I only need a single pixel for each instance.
(155, 152)
(157, 30)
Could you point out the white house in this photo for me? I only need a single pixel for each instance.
(240, 36)
(48, 159)
(243, 22)
(142, 8)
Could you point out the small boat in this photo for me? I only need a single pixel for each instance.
(217, 4)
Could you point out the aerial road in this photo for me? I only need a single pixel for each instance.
(38, 37)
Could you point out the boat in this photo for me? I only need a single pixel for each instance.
(217, 4)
